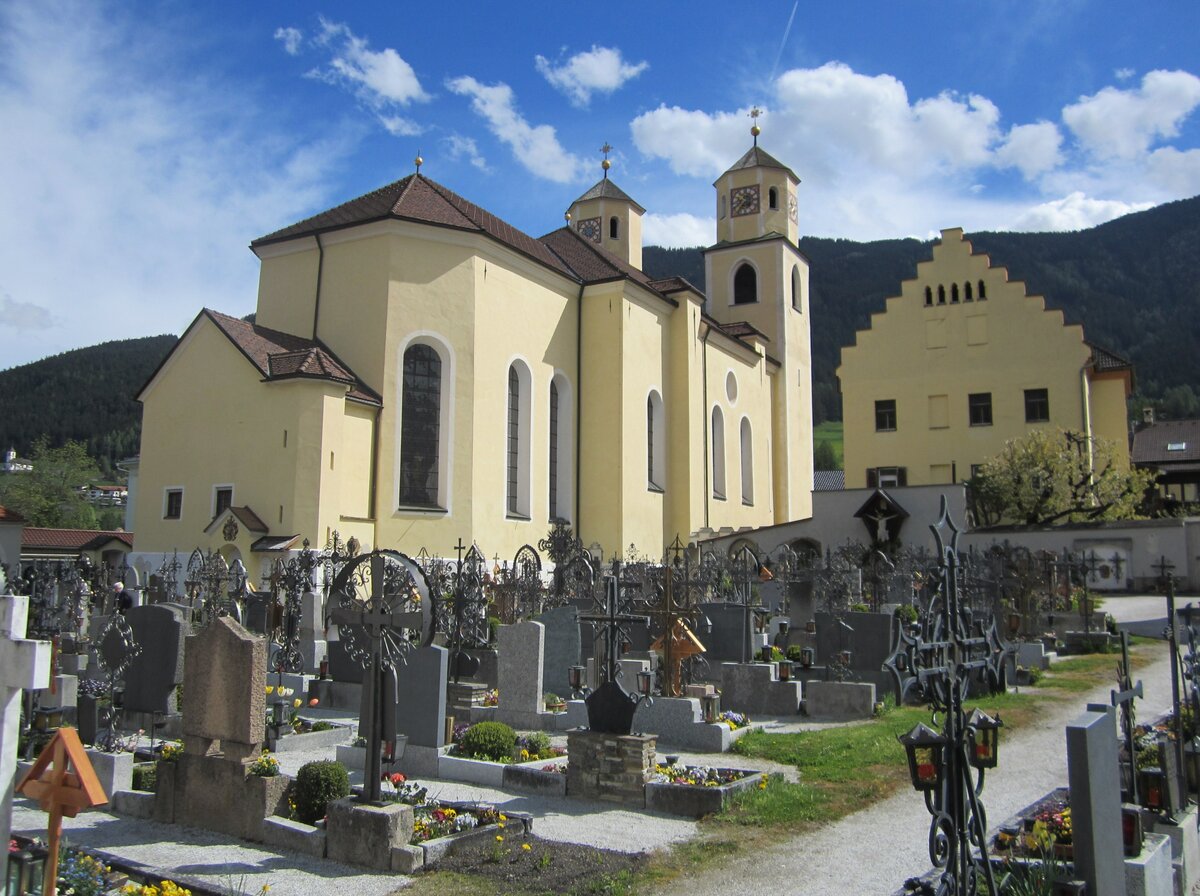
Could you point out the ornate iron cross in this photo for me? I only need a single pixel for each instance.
(383, 612)
(610, 706)
(1123, 699)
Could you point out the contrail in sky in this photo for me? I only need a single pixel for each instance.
(783, 43)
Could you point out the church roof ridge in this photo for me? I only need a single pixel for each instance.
(757, 157)
(606, 189)
(417, 198)
(595, 264)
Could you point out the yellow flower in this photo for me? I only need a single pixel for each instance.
(503, 817)
(499, 839)
(296, 703)
(526, 847)
(270, 689)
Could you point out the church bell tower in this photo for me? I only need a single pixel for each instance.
(606, 216)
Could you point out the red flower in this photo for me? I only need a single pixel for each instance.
(397, 779)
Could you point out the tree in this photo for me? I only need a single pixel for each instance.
(1045, 477)
(49, 495)
(824, 457)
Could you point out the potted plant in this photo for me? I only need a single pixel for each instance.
(554, 703)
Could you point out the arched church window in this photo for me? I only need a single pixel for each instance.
(420, 426)
(745, 285)
(553, 450)
(797, 292)
(747, 446)
(772, 198)
(655, 451)
(517, 453)
(982, 291)
(928, 295)
(953, 293)
(614, 227)
(967, 297)
(941, 294)
(561, 431)
(718, 453)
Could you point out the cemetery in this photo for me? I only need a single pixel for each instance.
(380, 712)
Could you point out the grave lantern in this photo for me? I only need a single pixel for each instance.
(712, 707)
(1152, 787)
(785, 670)
(983, 739)
(806, 657)
(844, 656)
(783, 628)
(26, 869)
(324, 668)
(766, 654)
(1132, 833)
(645, 679)
(575, 678)
(925, 760)
(811, 626)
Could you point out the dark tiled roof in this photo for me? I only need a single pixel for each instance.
(417, 198)
(594, 264)
(606, 189)
(249, 519)
(275, 543)
(10, 516)
(740, 329)
(1103, 360)
(761, 238)
(758, 157)
(829, 480)
(675, 284)
(1150, 444)
(38, 538)
(279, 355)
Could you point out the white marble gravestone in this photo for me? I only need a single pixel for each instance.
(23, 664)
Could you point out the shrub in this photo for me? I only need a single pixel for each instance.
(265, 766)
(489, 740)
(317, 785)
(906, 613)
(145, 776)
(859, 608)
(794, 653)
(537, 745)
(322, 726)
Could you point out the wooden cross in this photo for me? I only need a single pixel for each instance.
(24, 665)
(677, 639)
(1124, 700)
(64, 783)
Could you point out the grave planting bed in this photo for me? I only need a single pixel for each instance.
(695, 791)
(545, 867)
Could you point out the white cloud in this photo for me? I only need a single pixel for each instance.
(535, 147)
(1123, 124)
(24, 315)
(1032, 148)
(1177, 173)
(598, 70)
(459, 147)
(692, 142)
(1124, 74)
(290, 38)
(140, 183)
(382, 80)
(677, 231)
(1075, 212)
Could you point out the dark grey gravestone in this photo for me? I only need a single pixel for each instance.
(150, 682)
(342, 666)
(255, 618)
(724, 642)
(488, 672)
(1096, 801)
(421, 696)
(869, 643)
(560, 649)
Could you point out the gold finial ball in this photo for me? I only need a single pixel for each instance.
(567, 217)
(755, 130)
(606, 164)
(419, 162)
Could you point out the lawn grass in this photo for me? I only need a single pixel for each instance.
(830, 431)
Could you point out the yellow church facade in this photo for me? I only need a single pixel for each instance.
(419, 372)
(962, 361)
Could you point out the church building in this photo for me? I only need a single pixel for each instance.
(419, 372)
(962, 361)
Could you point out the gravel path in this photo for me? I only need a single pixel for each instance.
(875, 850)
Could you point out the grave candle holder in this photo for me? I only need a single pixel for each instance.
(807, 654)
(844, 657)
(324, 669)
(712, 707)
(25, 872)
(785, 670)
(766, 654)
(645, 680)
(925, 748)
(811, 626)
(1132, 833)
(575, 680)
(983, 739)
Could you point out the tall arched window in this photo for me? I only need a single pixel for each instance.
(561, 440)
(718, 453)
(953, 293)
(797, 290)
(614, 227)
(772, 198)
(982, 291)
(517, 441)
(941, 294)
(928, 295)
(745, 285)
(420, 426)
(967, 297)
(655, 442)
(747, 462)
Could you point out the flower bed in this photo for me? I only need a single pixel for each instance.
(693, 791)
(1041, 829)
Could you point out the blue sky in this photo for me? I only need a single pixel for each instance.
(146, 144)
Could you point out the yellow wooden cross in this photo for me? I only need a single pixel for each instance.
(64, 783)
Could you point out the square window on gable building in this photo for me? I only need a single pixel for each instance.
(1037, 406)
(979, 406)
(885, 415)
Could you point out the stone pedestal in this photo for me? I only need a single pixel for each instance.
(1185, 845)
(113, 770)
(1149, 874)
(361, 834)
(611, 767)
(463, 695)
(839, 699)
(217, 794)
(755, 689)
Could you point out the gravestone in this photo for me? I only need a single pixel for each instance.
(421, 697)
(561, 648)
(313, 645)
(24, 664)
(342, 666)
(755, 689)
(520, 648)
(724, 642)
(154, 673)
(1096, 801)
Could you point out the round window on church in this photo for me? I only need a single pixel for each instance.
(731, 387)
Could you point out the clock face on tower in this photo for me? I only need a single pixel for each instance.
(792, 208)
(744, 200)
(589, 229)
